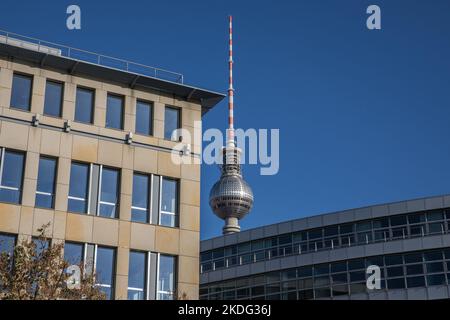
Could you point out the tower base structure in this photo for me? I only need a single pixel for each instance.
(231, 226)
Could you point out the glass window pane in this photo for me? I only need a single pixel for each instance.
(435, 267)
(363, 226)
(398, 283)
(73, 253)
(11, 180)
(140, 202)
(109, 193)
(143, 117)
(78, 189)
(395, 272)
(433, 255)
(137, 275)
(114, 112)
(338, 267)
(104, 270)
(169, 202)
(171, 122)
(394, 259)
(53, 98)
(7, 243)
(346, 228)
(84, 105)
(436, 279)
(414, 269)
(398, 220)
(45, 189)
(413, 257)
(416, 218)
(381, 223)
(414, 282)
(166, 279)
(356, 264)
(435, 215)
(21, 92)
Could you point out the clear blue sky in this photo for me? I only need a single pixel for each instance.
(363, 115)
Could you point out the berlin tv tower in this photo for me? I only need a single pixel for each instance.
(231, 198)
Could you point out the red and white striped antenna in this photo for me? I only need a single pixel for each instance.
(230, 140)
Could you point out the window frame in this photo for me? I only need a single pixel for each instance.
(99, 192)
(148, 210)
(3, 150)
(179, 126)
(92, 114)
(93, 268)
(61, 102)
(88, 186)
(23, 75)
(53, 195)
(176, 214)
(151, 120)
(122, 113)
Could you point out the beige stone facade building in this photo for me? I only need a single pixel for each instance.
(87, 148)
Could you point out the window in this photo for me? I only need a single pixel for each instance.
(169, 199)
(109, 192)
(114, 112)
(94, 189)
(84, 105)
(7, 243)
(45, 191)
(104, 270)
(144, 117)
(140, 201)
(78, 189)
(171, 122)
(94, 257)
(166, 277)
(21, 91)
(11, 175)
(137, 275)
(73, 253)
(53, 98)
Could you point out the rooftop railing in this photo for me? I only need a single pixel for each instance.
(51, 48)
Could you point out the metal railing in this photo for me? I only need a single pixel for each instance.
(87, 56)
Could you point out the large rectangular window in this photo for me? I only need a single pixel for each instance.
(84, 105)
(11, 175)
(109, 192)
(151, 276)
(144, 117)
(104, 270)
(137, 275)
(171, 122)
(21, 91)
(97, 258)
(169, 202)
(94, 189)
(166, 277)
(114, 112)
(45, 190)
(79, 188)
(140, 202)
(53, 98)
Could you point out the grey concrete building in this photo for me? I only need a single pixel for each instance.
(326, 256)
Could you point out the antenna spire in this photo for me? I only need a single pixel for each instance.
(230, 135)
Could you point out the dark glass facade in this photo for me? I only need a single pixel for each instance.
(340, 278)
(383, 229)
